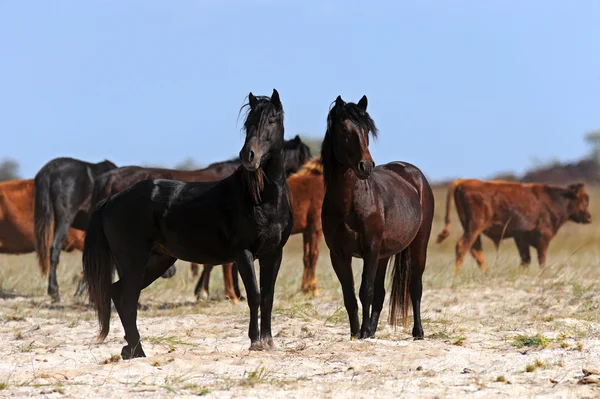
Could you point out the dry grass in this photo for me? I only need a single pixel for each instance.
(507, 332)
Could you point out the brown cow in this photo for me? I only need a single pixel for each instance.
(529, 213)
(16, 220)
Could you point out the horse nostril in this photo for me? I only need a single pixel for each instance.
(361, 166)
(251, 156)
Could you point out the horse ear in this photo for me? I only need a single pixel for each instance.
(339, 102)
(275, 99)
(252, 100)
(362, 103)
(297, 139)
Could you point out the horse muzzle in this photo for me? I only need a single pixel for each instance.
(250, 160)
(364, 169)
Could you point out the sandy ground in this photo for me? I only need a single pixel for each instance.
(472, 346)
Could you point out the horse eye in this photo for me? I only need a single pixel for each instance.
(271, 122)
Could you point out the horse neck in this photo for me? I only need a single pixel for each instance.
(272, 179)
(339, 185)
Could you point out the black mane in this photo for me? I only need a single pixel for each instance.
(263, 110)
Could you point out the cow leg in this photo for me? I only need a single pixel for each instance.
(542, 247)
(463, 245)
(523, 247)
(477, 253)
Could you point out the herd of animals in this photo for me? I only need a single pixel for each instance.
(138, 221)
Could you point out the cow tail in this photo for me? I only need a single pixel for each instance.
(446, 231)
(43, 215)
(400, 298)
(98, 267)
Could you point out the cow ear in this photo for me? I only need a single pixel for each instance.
(573, 190)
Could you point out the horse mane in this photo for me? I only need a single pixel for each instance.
(351, 112)
(314, 166)
(257, 117)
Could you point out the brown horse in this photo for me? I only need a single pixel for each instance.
(307, 191)
(373, 213)
(16, 221)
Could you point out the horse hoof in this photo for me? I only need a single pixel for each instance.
(127, 353)
(418, 338)
(268, 344)
(55, 299)
(256, 346)
(202, 296)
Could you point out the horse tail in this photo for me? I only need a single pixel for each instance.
(400, 298)
(43, 214)
(446, 231)
(98, 268)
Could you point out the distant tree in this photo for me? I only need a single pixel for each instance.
(9, 169)
(593, 139)
(313, 143)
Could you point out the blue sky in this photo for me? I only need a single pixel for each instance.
(459, 88)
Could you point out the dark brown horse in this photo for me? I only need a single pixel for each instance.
(307, 190)
(142, 230)
(373, 213)
(63, 190)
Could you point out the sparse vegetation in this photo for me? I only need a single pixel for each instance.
(112, 359)
(532, 341)
(548, 318)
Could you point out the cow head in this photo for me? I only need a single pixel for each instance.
(578, 204)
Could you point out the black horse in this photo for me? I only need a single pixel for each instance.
(142, 230)
(63, 189)
(295, 155)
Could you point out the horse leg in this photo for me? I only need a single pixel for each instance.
(80, 285)
(194, 268)
(342, 265)
(379, 294)
(201, 290)
(170, 272)
(269, 269)
(137, 268)
(61, 229)
(367, 286)
(228, 282)
(523, 247)
(311, 238)
(477, 253)
(125, 294)
(245, 262)
(236, 282)
(418, 258)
